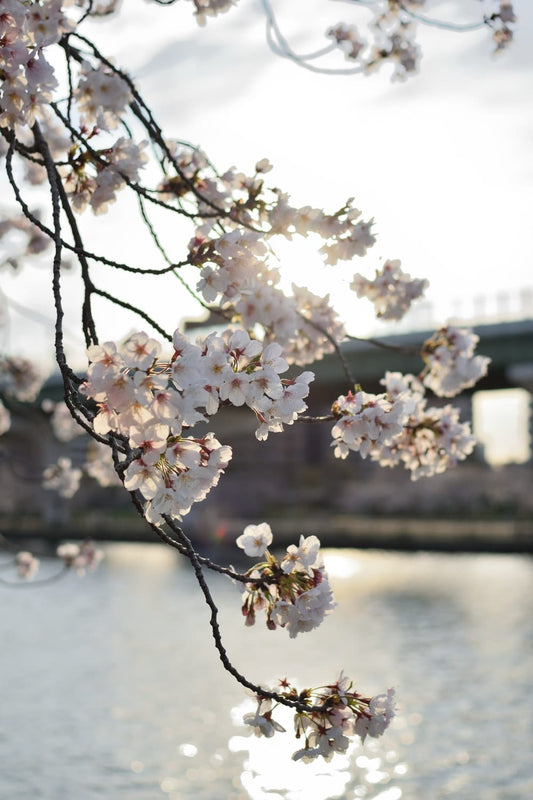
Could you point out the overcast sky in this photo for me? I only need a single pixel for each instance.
(442, 162)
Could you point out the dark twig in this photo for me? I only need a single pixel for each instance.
(35, 584)
(129, 307)
(397, 348)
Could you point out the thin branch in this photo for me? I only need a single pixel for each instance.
(138, 188)
(148, 122)
(151, 230)
(398, 348)
(442, 25)
(76, 249)
(35, 584)
(193, 557)
(331, 339)
(55, 195)
(282, 48)
(129, 307)
(171, 267)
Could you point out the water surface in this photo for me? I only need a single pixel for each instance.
(111, 687)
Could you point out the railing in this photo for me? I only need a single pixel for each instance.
(469, 310)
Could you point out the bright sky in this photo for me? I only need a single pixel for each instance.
(441, 162)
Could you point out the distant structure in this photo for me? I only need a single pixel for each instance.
(468, 310)
(295, 473)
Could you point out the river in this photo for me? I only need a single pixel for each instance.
(111, 688)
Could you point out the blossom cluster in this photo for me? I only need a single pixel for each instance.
(78, 557)
(294, 593)
(33, 240)
(98, 462)
(236, 273)
(62, 477)
(102, 97)
(367, 422)
(211, 8)
(28, 78)
(433, 439)
(451, 365)
(392, 291)
(64, 426)
(398, 428)
(153, 403)
(348, 39)
(27, 565)
(248, 201)
(235, 268)
(238, 276)
(93, 177)
(393, 28)
(20, 378)
(99, 465)
(336, 714)
(391, 32)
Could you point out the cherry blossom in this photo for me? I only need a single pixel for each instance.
(398, 427)
(99, 465)
(80, 557)
(304, 557)
(154, 403)
(102, 97)
(392, 291)
(367, 421)
(295, 593)
(255, 539)
(261, 720)
(27, 565)
(451, 363)
(62, 477)
(328, 719)
(64, 425)
(19, 378)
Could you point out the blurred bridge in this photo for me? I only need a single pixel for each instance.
(293, 478)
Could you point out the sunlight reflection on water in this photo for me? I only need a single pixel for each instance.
(112, 689)
(318, 780)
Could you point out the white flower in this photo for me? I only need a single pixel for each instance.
(62, 477)
(307, 611)
(255, 539)
(27, 565)
(19, 378)
(392, 291)
(304, 557)
(102, 96)
(99, 465)
(263, 724)
(306, 754)
(263, 166)
(452, 365)
(139, 351)
(382, 710)
(63, 423)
